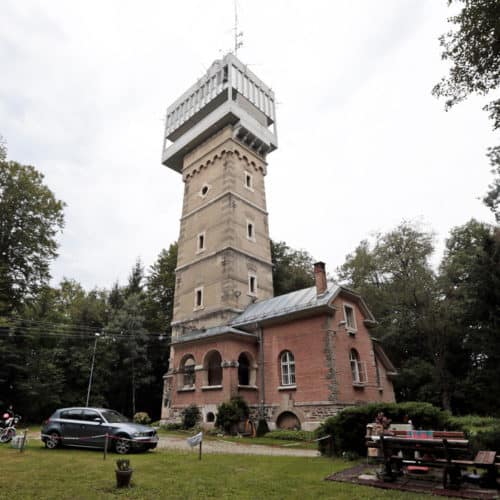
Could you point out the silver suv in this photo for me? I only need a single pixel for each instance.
(88, 428)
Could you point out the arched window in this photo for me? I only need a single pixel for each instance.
(243, 370)
(287, 368)
(210, 417)
(357, 367)
(214, 369)
(187, 369)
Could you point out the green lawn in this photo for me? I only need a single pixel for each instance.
(38, 473)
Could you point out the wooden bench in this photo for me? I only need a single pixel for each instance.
(435, 449)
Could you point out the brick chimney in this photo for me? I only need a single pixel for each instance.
(320, 278)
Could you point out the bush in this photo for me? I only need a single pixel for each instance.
(172, 427)
(190, 416)
(486, 440)
(230, 414)
(291, 435)
(348, 428)
(142, 418)
(262, 428)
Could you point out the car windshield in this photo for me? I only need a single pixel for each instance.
(113, 417)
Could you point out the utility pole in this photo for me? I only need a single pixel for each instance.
(92, 368)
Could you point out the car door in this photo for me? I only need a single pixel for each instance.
(70, 421)
(95, 428)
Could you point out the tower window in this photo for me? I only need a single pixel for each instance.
(248, 181)
(198, 298)
(250, 231)
(204, 190)
(200, 242)
(252, 284)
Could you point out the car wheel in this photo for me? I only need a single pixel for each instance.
(53, 441)
(122, 445)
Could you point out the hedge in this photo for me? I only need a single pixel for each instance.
(348, 428)
(291, 435)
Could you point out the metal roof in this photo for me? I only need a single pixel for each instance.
(300, 300)
(210, 332)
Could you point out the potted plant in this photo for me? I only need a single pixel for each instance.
(123, 473)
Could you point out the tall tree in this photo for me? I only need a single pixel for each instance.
(30, 219)
(473, 48)
(292, 269)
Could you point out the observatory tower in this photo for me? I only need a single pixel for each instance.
(217, 136)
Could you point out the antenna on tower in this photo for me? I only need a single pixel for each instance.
(238, 35)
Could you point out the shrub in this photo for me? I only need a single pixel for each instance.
(486, 440)
(291, 435)
(348, 428)
(142, 418)
(190, 416)
(231, 413)
(262, 428)
(173, 427)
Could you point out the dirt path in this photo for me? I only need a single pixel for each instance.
(222, 446)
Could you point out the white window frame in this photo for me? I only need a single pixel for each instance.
(252, 276)
(196, 305)
(248, 176)
(358, 368)
(250, 223)
(354, 326)
(200, 248)
(287, 368)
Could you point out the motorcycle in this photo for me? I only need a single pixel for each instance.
(8, 431)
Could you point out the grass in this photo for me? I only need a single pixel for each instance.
(40, 474)
(266, 441)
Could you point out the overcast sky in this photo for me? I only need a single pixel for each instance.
(362, 142)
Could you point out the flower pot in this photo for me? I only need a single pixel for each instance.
(123, 478)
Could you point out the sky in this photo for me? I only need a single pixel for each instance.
(362, 143)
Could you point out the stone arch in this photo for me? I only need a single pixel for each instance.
(210, 417)
(212, 365)
(288, 420)
(247, 369)
(187, 377)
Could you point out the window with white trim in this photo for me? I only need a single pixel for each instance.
(248, 180)
(250, 230)
(187, 369)
(200, 242)
(357, 368)
(350, 318)
(198, 298)
(287, 362)
(252, 284)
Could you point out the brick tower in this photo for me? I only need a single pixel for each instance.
(217, 136)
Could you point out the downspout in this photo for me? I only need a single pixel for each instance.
(260, 335)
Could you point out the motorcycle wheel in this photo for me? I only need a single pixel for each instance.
(7, 435)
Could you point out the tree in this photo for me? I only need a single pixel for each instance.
(30, 219)
(292, 269)
(3, 149)
(473, 48)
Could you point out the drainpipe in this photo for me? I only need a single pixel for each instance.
(262, 394)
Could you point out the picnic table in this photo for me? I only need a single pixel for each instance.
(449, 451)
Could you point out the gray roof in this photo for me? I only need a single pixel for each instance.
(210, 332)
(300, 300)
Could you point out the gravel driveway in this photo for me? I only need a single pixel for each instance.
(222, 446)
